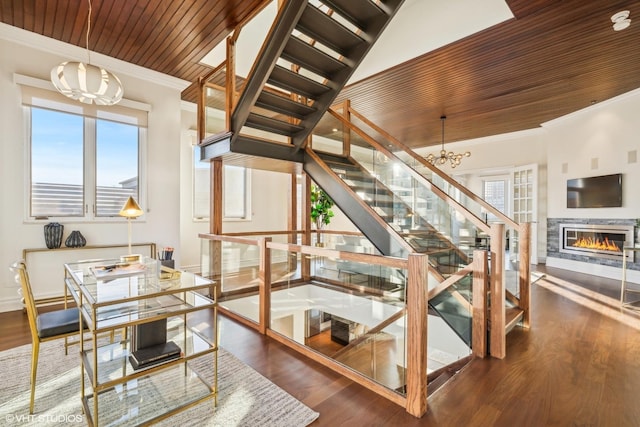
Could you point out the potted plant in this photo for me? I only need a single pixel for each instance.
(321, 212)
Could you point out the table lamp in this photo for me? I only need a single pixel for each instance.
(130, 210)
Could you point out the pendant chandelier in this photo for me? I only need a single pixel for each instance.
(85, 82)
(454, 159)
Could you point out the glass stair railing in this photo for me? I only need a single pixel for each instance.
(409, 204)
(453, 305)
(395, 211)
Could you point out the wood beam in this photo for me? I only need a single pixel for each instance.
(230, 78)
(524, 249)
(417, 308)
(498, 312)
(479, 291)
(264, 279)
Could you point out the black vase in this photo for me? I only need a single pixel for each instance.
(75, 240)
(53, 235)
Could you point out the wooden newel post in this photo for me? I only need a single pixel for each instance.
(524, 248)
(498, 335)
(479, 291)
(264, 286)
(417, 310)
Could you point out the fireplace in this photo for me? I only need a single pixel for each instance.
(596, 240)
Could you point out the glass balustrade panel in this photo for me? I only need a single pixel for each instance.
(214, 115)
(355, 317)
(406, 202)
(236, 267)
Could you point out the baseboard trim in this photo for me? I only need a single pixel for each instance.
(593, 269)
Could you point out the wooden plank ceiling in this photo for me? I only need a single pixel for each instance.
(553, 58)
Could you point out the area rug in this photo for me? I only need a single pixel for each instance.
(245, 397)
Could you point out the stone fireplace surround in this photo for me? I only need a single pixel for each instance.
(605, 267)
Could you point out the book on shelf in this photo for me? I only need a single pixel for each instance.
(155, 354)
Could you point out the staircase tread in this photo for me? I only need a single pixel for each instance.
(282, 105)
(296, 83)
(358, 12)
(513, 315)
(302, 53)
(269, 124)
(321, 27)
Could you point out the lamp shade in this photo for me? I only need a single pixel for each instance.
(87, 83)
(131, 209)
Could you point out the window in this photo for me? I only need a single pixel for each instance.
(83, 160)
(57, 164)
(494, 192)
(68, 152)
(235, 184)
(117, 157)
(236, 191)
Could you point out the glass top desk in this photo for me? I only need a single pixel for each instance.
(114, 296)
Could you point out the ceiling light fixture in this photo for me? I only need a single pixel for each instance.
(621, 20)
(85, 82)
(454, 159)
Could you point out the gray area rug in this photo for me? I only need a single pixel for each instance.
(245, 397)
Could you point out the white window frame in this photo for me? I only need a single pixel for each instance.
(247, 194)
(31, 83)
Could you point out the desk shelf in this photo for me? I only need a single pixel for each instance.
(109, 304)
(150, 398)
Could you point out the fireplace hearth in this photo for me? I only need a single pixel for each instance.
(598, 241)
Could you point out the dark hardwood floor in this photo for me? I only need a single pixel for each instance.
(578, 365)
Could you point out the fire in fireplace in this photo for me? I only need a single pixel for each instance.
(596, 243)
(600, 241)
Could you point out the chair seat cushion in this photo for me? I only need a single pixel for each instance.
(58, 322)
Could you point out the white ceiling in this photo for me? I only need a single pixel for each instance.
(420, 26)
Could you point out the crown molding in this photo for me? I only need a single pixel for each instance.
(76, 53)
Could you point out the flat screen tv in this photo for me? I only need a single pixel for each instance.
(595, 192)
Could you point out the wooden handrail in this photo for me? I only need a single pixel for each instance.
(263, 233)
(385, 261)
(488, 207)
(418, 176)
(231, 239)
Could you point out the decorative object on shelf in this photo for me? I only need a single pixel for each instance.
(321, 212)
(130, 210)
(53, 235)
(75, 240)
(454, 159)
(85, 82)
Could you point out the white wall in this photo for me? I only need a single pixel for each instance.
(602, 134)
(161, 222)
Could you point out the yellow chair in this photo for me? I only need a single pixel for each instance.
(46, 326)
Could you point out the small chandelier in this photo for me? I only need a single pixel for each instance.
(455, 159)
(85, 82)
